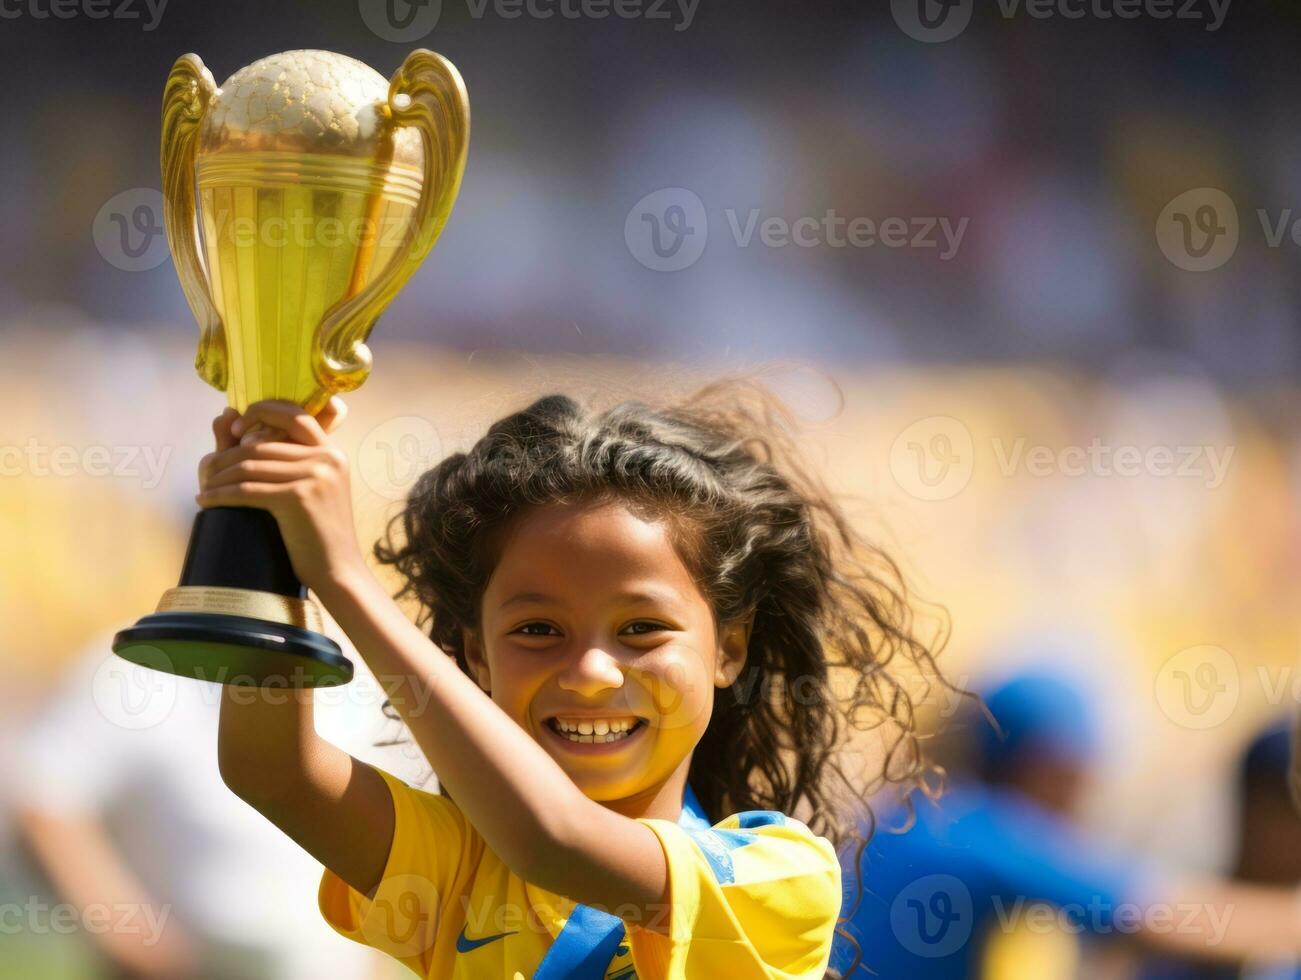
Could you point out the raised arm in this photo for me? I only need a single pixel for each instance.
(334, 806)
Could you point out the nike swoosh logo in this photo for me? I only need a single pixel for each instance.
(465, 945)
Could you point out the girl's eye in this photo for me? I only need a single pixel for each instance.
(644, 626)
(528, 628)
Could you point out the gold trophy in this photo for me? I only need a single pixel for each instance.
(298, 199)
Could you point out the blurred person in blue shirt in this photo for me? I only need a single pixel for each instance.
(999, 856)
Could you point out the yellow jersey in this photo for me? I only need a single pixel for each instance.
(755, 895)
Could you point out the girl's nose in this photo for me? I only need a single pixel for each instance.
(591, 672)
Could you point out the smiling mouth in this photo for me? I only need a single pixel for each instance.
(586, 732)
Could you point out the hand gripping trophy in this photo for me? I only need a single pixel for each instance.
(298, 199)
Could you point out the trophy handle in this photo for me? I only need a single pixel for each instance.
(427, 92)
(190, 89)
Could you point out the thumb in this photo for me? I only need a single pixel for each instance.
(333, 414)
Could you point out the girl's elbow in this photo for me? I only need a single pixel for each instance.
(236, 774)
(540, 856)
(249, 778)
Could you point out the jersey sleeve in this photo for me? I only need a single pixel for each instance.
(431, 861)
(757, 895)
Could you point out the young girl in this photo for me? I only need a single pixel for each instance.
(651, 635)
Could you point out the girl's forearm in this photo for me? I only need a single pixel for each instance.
(507, 786)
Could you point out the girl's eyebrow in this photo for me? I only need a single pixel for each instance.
(627, 598)
(527, 597)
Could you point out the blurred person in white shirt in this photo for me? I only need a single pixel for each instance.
(119, 798)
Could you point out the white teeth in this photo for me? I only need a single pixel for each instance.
(599, 727)
(601, 730)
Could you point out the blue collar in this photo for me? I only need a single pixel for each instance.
(693, 814)
(592, 938)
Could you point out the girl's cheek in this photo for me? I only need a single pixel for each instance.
(674, 693)
(514, 682)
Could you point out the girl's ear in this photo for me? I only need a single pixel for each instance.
(475, 659)
(733, 646)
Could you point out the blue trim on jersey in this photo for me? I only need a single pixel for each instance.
(584, 948)
(586, 945)
(717, 846)
(760, 818)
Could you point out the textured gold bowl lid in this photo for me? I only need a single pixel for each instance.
(305, 102)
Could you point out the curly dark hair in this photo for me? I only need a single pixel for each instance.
(761, 537)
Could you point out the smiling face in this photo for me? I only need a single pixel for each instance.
(596, 641)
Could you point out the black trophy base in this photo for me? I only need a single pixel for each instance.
(237, 555)
(234, 650)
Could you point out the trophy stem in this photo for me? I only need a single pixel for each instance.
(239, 548)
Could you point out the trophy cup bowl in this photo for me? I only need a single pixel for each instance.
(299, 197)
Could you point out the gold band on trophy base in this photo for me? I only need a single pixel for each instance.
(299, 197)
(269, 606)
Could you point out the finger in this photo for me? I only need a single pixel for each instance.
(244, 495)
(333, 414)
(260, 471)
(285, 415)
(221, 428)
(263, 433)
(216, 462)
